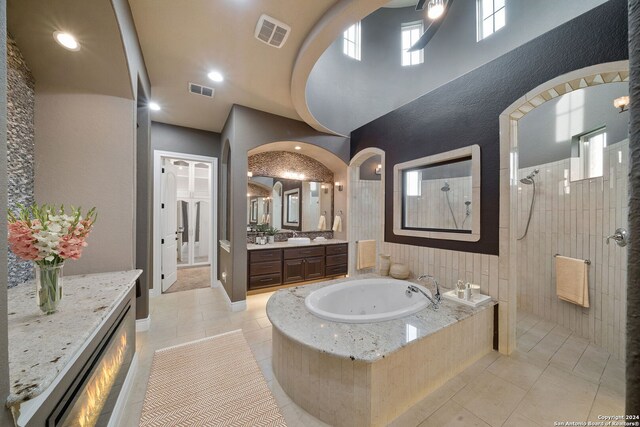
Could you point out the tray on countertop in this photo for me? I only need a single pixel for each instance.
(476, 299)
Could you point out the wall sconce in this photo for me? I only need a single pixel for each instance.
(339, 186)
(325, 188)
(249, 174)
(379, 170)
(622, 103)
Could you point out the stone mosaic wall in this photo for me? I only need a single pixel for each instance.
(20, 145)
(280, 164)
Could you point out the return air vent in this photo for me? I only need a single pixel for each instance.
(271, 31)
(201, 90)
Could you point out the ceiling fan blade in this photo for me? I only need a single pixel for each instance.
(431, 30)
(420, 4)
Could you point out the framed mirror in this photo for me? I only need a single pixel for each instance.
(253, 217)
(438, 196)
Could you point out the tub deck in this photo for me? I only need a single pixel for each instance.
(369, 374)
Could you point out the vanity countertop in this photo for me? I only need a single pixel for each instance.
(286, 245)
(365, 342)
(40, 346)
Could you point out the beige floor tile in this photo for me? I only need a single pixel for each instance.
(613, 376)
(280, 395)
(264, 322)
(592, 363)
(261, 350)
(453, 415)
(427, 406)
(558, 396)
(518, 420)
(518, 372)
(477, 368)
(548, 346)
(490, 397)
(266, 368)
(258, 336)
(568, 355)
(131, 415)
(607, 402)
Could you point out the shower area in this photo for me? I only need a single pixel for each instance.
(571, 198)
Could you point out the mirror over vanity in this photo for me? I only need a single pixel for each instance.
(290, 204)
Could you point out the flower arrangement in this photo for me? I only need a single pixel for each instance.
(48, 236)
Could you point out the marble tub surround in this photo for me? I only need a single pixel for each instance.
(370, 374)
(362, 342)
(285, 244)
(40, 346)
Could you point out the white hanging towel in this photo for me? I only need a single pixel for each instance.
(263, 220)
(337, 224)
(572, 280)
(268, 221)
(322, 223)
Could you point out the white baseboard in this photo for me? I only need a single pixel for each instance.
(123, 397)
(234, 306)
(143, 324)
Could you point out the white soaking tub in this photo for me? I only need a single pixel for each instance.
(366, 301)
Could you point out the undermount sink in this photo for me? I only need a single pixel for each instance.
(299, 240)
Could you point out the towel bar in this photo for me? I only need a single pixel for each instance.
(586, 261)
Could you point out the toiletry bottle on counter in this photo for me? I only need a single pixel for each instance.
(460, 289)
(467, 291)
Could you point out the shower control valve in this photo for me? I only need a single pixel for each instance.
(621, 237)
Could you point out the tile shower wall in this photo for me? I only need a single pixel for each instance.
(20, 146)
(573, 219)
(366, 206)
(431, 210)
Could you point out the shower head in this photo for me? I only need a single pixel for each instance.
(528, 180)
(467, 203)
(446, 187)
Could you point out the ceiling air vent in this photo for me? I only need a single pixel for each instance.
(271, 31)
(201, 90)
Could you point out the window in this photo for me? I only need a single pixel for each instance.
(411, 32)
(589, 162)
(351, 41)
(491, 17)
(413, 181)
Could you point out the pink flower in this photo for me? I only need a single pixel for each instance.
(70, 246)
(22, 242)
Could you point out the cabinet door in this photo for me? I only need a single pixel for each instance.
(293, 270)
(314, 268)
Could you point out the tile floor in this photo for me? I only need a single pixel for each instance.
(553, 376)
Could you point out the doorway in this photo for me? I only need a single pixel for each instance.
(185, 221)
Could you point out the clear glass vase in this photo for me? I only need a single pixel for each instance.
(49, 287)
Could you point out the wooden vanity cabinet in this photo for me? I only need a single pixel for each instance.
(273, 267)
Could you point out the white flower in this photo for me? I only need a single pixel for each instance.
(55, 228)
(50, 258)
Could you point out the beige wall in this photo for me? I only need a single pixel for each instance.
(85, 156)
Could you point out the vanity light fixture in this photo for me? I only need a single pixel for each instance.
(297, 147)
(435, 9)
(154, 106)
(379, 169)
(325, 189)
(216, 76)
(622, 103)
(66, 40)
(339, 186)
(249, 174)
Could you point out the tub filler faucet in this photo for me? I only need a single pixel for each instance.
(411, 289)
(435, 281)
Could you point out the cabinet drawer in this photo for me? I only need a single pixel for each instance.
(336, 249)
(256, 282)
(336, 259)
(268, 255)
(261, 268)
(336, 270)
(304, 252)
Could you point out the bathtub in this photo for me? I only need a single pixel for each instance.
(366, 301)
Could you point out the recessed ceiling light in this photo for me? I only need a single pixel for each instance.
(154, 106)
(297, 147)
(435, 9)
(66, 40)
(216, 76)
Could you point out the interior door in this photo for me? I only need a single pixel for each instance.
(169, 226)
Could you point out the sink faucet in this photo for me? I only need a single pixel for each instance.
(435, 281)
(294, 233)
(415, 289)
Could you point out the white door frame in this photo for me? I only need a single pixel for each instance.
(157, 249)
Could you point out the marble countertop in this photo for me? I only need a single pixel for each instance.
(286, 245)
(364, 342)
(40, 346)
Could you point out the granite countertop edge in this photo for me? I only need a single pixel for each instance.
(285, 245)
(37, 385)
(449, 313)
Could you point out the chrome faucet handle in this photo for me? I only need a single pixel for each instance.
(437, 295)
(621, 237)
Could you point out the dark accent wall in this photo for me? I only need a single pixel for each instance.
(632, 376)
(20, 145)
(466, 110)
